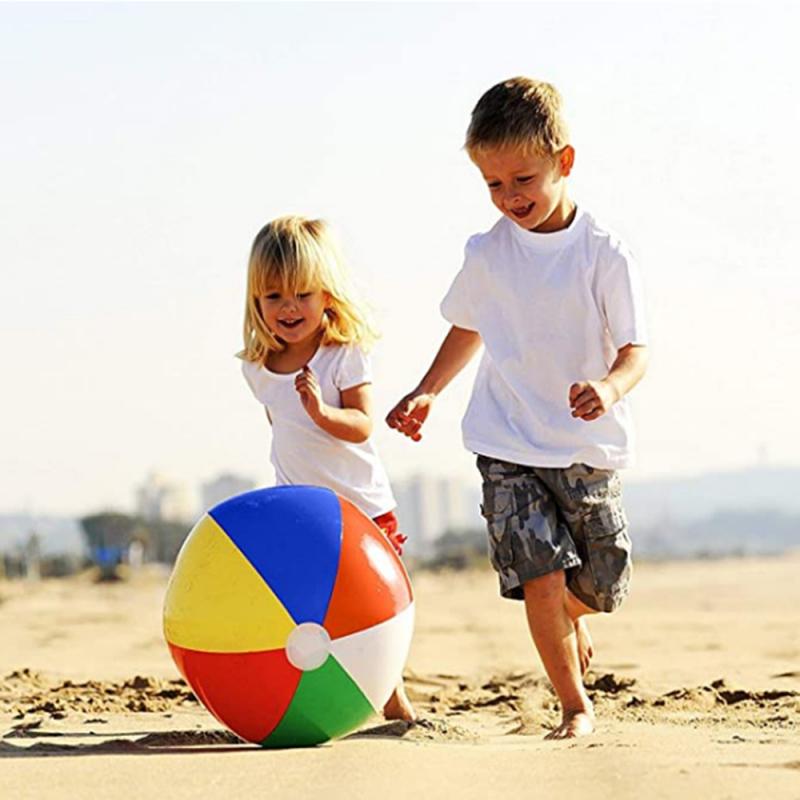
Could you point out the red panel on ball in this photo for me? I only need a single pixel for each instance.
(371, 583)
(248, 692)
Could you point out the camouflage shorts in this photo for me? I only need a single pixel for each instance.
(542, 520)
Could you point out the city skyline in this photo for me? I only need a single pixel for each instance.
(758, 507)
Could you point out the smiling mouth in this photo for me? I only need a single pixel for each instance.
(290, 323)
(521, 213)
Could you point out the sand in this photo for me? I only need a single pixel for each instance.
(696, 683)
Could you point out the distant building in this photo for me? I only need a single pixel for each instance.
(428, 507)
(159, 500)
(33, 557)
(221, 488)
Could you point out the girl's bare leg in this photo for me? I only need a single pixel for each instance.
(399, 706)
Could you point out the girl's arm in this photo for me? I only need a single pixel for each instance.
(352, 422)
(458, 347)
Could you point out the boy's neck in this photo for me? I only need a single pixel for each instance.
(561, 218)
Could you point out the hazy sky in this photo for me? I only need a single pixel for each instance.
(144, 145)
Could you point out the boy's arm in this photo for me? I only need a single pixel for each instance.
(352, 422)
(458, 347)
(591, 399)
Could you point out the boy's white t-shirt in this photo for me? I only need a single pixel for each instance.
(552, 309)
(303, 453)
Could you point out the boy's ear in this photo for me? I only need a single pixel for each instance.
(566, 160)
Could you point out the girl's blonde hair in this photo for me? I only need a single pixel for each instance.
(297, 254)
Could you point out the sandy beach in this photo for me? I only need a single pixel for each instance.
(696, 682)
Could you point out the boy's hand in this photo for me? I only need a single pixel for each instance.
(307, 387)
(410, 413)
(591, 399)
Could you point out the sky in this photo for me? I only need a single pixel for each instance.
(144, 145)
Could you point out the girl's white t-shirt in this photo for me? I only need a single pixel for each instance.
(303, 453)
(552, 309)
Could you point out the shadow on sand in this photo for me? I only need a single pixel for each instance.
(156, 743)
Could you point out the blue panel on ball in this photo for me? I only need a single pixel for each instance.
(292, 535)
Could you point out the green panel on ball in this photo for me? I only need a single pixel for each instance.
(327, 704)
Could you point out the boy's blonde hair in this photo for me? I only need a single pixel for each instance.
(295, 254)
(520, 112)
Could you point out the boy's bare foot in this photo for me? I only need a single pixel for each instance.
(399, 706)
(573, 724)
(585, 648)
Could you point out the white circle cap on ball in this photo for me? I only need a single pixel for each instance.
(308, 646)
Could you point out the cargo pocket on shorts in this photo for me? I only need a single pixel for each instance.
(497, 509)
(608, 549)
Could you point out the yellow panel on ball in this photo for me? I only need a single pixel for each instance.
(217, 602)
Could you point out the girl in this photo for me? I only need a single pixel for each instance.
(304, 359)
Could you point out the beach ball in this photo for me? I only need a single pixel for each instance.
(290, 615)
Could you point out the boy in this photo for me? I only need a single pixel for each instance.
(555, 300)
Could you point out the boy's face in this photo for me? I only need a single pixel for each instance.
(528, 188)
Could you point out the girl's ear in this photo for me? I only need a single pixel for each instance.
(330, 311)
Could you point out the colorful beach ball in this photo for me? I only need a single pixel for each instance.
(290, 615)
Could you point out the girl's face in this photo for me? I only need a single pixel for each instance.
(293, 317)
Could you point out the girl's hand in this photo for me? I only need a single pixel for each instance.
(410, 413)
(307, 387)
(589, 400)
(397, 540)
